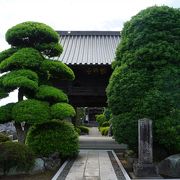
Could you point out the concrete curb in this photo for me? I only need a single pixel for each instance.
(60, 170)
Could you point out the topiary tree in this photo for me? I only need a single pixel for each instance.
(53, 136)
(146, 78)
(29, 67)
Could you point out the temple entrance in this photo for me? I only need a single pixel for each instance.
(89, 54)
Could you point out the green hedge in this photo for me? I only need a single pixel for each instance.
(6, 113)
(84, 129)
(62, 111)
(31, 111)
(13, 154)
(51, 94)
(31, 33)
(57, 69)
(104, 130)
(105, 124)
(25, 58)
(53, 136)
(101, 118)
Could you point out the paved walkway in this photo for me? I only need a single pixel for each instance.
(96, 141)
(92, 165)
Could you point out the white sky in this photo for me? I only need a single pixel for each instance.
(71, 15)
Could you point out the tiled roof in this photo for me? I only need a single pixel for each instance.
(88, 47)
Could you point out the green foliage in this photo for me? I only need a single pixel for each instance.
(104, 130)
(31, 111)
(7, 53)
(62, 111)
(53, 136)
(57, 69)
(51, 94)
(29, 34)
(105, 124)
(3, 138)
(84, 129)
(6, 113)
(100, 119)
(25, 58)
(50, 49)
(13, 154)
(145, 82)
(26, 79)
(107, 113)
(3, 93)
(77, 130)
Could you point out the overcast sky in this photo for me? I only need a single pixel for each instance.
(72, 15)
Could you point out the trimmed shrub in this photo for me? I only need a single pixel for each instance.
(57, 69)
(7, 53)
(31, 111)
(77, 130)
(50, 49)
(100, 119)
(104, 130)
(3, 93)
(51, 94)
(20, 78)
(6, 113)
(3, 138)
(53, 136)
(13, 154)
(84, 129)
(25, 58)
(62, 111)
(105, 124)
(145, 82)
(30, 34)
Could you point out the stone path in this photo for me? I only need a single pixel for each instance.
(92, 165)
(94, 132)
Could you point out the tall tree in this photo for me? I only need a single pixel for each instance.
(146, 80)
(29, 67)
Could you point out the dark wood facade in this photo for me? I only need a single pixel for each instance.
(88, 88)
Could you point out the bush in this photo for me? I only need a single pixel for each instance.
(145, 82)
(7, 53)
(13, 154)
(6, 113)
(51, 94)
(104, 130)
(20, 78)
(4, 138)
(53, 136)
(105, 124)
(30, 34)
(57, 69)
(77, 130)
(62, 111)
(100, 119)
(31, 111)
(84, 129)
(24, 58)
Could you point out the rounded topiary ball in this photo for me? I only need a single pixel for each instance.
(53, 136)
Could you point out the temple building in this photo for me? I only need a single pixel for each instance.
(89, 54)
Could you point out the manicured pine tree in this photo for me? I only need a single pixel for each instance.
(29, 67)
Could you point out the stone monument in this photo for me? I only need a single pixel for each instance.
(145, 167)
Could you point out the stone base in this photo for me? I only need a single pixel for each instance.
(145, 170)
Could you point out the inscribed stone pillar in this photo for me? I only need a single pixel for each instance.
(144, 167)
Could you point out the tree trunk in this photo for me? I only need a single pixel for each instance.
(21, 132)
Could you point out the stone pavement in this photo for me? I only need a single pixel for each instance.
(92, 165)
